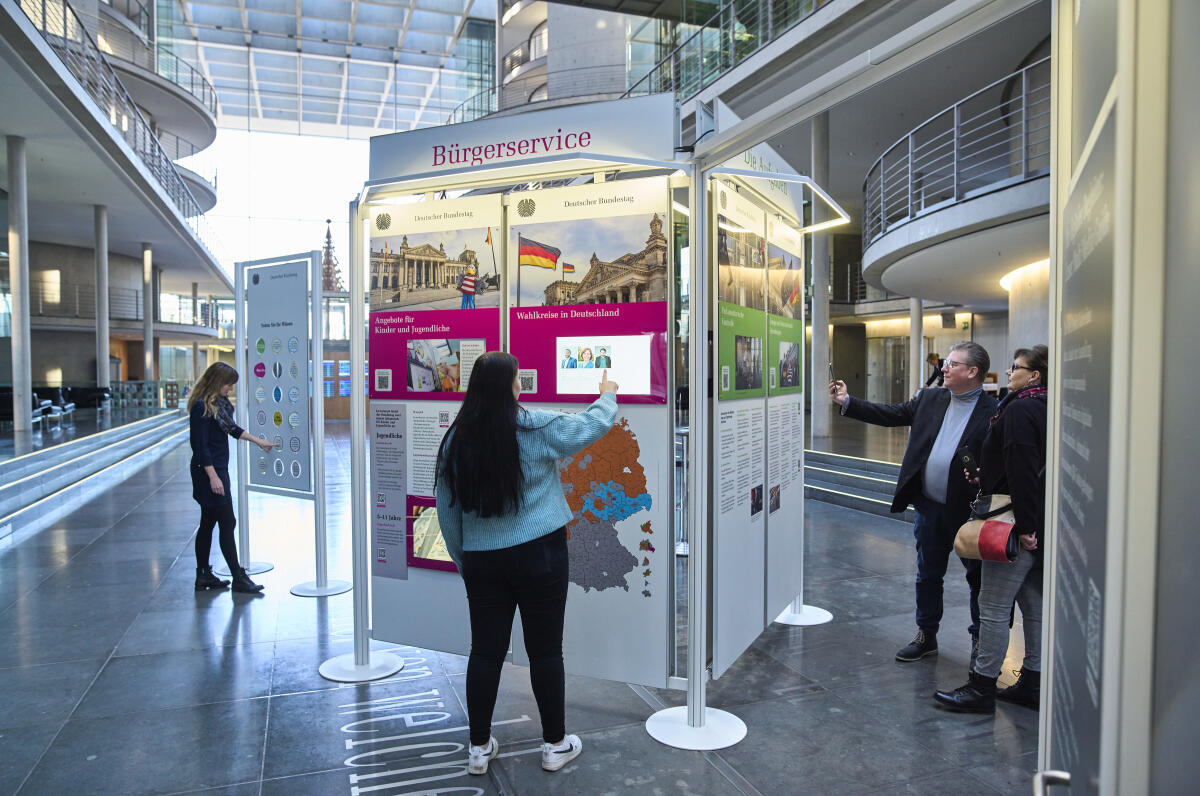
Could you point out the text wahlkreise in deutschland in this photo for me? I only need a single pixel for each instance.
(478, 155)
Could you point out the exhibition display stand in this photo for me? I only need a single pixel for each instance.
(543, 235)
(277, 347)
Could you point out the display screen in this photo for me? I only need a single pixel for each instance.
(582, 360)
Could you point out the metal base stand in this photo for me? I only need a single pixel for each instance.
(803, 615)
(253, 568)
(721, 729)
(343, 669)
(311, 589)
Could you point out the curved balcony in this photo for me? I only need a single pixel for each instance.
(196, 168)
(973, 178)
(528, 52)
(539, 90)
(131, 12)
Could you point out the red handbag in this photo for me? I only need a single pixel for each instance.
(989, 536)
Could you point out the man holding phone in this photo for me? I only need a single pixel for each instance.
(943, 421)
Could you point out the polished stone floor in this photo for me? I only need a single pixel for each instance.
(117, 678)
(856, 438)
(81, 423)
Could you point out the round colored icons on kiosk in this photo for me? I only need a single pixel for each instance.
(294, 444)
(277, 418)
(261, 417)
(276, 345)
(261, 346)
(262, 465)
(294, 370)
(278, 440)
(277, 394)
(279, 467)
(293, 344)
(295, 469)
(277, 369)
(260, 395)
(293, 419)
(260, 369)
(294, 394)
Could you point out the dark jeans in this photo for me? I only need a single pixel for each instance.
(533, 577)
(935, 543)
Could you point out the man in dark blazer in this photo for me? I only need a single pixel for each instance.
(931, 480)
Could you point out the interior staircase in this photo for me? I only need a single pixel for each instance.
(863, 484)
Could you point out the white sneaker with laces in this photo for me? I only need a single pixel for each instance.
(480, 756)
(555, 757)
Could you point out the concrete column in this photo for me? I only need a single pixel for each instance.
(103, 377)
(916, 345)
(196, 321)
(18, 280)
(821, 405)
(195, 304)
(148, 299)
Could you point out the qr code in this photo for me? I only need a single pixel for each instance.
(528, 380)
(772, 378)
(383, 380)
(724, 377)
(443, 418)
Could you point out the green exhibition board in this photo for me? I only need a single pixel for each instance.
(740, 351)
(785, 355)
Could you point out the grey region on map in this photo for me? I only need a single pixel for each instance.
(598, 560)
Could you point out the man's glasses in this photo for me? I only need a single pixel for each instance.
(952, 364)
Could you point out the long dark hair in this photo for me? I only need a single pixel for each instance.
(479, 459)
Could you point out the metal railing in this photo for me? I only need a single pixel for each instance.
(593, 81)
(998, 136)
(535, 47)
(119, 42)
(124, 304)
(64, 32)
(710, 50)
(198, 159)
(134, 11)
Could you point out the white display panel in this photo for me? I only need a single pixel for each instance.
(582, 360)
(277, 382)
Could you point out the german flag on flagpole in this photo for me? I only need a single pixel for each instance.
(489, 237)
(568, 268)
(539, 255)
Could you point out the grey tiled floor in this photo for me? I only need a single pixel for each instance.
(83, 423)
(115, 677)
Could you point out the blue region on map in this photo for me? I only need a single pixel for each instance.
(609, 502)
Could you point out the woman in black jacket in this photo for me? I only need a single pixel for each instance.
(1013, 463)
(211, 419)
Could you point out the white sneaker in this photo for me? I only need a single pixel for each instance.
(555, 757)
(480, 756)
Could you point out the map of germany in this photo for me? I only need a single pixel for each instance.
(604, 484)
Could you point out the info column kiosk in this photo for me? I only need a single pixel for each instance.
(549, 257)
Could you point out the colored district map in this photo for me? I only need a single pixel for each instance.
(604, 484)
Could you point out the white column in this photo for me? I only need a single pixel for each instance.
(916, 346)
(148, 298)
(103, 377)
(195, 321)
(821, 413)
(18, 280)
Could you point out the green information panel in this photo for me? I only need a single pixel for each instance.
(740, 351)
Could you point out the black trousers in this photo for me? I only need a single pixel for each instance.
(533, 577)
(221, 516)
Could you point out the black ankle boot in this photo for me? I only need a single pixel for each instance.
(205, 579)
(977, 696)
(242, 582)
(925, 643)
(1026, 692)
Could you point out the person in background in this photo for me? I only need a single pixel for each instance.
(942, 420)
(1013, 463)
(210, 417)
(936, 363)
(503, 517)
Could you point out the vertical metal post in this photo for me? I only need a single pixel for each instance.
(910, 211)
(954, 148)
(147, 313)
(100, 214)
(241, 412)
(18, 280)
(1025, 122)
(916, 340)
(699, 422)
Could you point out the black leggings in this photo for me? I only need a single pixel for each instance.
(216, 515)
(532, 576)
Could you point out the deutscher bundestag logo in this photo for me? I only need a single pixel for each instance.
(525, 208)
(722, 202)
(383, 221)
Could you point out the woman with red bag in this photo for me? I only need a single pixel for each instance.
(1013, 463)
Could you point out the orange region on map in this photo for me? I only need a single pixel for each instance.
(613, 457)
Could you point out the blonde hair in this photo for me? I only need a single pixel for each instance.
(208, 387)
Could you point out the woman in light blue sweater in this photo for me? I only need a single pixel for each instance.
(503, 515)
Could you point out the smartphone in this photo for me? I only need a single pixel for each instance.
(832, 378)
(967, 460)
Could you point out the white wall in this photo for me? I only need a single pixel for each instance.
(587, 51)
(1029, 306)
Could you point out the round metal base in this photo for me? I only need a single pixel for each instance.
(342, 669)
(809, 615)
(311, 589)
(253, 568)
(720, 729)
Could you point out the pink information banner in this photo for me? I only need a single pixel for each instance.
(428, 354)
(563, 351)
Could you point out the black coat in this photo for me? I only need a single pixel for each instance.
(1013, 461)
(925, 414)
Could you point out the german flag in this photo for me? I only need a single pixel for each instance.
(568, 268)
(537, 254)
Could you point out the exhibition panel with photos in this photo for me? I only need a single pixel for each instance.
(468, 239)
